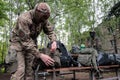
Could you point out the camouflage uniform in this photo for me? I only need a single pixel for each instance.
(91, 57)
(23, 41)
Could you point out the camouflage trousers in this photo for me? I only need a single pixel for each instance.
(24, 69)
(92, 58)
(25, 62)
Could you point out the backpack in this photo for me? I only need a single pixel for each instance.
(75, 49)
(11, 60)
(103, 59)
(65, 58)
(117, 59)
(10, 57)
(108, 58)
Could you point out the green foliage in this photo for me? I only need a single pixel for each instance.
(76, 16)
(3, 9)
(3, 51)
(2, 69)
(3, 12)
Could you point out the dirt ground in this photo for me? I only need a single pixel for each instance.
(4, 76)
(79, 76)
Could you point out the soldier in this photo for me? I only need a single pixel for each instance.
(88, 57)
(23, 40)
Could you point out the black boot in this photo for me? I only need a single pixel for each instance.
(75, 63)
(98, 75)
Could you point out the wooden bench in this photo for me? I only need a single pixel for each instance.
(76, 69)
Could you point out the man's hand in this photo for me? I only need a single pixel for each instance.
(53, 46)
(47, 59)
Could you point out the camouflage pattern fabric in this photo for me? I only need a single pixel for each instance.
(55, 56)
(88, 57)
(23, 40)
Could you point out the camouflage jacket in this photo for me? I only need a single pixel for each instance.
(24, 35)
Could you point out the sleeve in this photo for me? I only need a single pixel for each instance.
(25, 39)
(49, 30)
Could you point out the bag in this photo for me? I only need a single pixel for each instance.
(10, 56)
(104, 59)
(10, 60)
(75, 49)
(117, 56)
(108, 59)
(65, 58)
(117, 59)
(13, 48)
(65, 61)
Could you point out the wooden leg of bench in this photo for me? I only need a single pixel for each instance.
(91, 75)
(117, 74)
(36, 76)
(36, 72)
(54, 74)
(44, 76)
(74, 76)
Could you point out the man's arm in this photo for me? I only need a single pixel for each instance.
(49, 30)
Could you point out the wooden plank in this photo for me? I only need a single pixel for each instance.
(112, 78)
(69, 69)
(109, 66)
(81, 68)
(74, 69)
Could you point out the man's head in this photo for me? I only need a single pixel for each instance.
(42, 11)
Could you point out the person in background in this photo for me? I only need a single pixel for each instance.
(90, 58)
(23, 40)
(94, 43)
